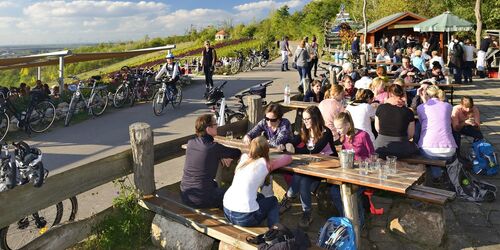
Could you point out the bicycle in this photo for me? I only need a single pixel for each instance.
(37, 117)
(136, 86)
(239, 64)
(165, 95)
(216, 94)
(96, 103)
(27, 167)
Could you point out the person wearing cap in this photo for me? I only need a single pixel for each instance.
(172, 71)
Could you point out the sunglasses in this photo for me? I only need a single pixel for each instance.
(271, 120)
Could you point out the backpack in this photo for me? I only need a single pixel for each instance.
(467, 186)
(458, 51)
(279, 237)
(337, 233)
(483, 157)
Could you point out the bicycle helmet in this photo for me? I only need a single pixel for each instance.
(169, 55)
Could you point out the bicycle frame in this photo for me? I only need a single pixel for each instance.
(78, 94)
(8, 106)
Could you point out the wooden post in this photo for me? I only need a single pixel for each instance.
(141, 140)
(255, 111)
(350, 202)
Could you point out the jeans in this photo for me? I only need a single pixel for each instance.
(268, 207)
(284, 60)
(467, 130)
(337, 201)
(304, 185)
(457, 73)
(302, 72)
(435, 171)
(314, 64)
(209, 82)
(468, 70)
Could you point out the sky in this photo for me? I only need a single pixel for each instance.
(91, 21)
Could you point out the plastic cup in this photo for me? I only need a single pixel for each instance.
(392, 164)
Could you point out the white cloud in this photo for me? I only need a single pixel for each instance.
(268, 4)
(7, 4)
(178, 21)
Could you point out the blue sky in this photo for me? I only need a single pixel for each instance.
(76, 21)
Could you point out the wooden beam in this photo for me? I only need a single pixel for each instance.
(350, 202)
(255, 110)
(141, 140)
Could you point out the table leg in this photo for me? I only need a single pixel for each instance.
(452, 95)
(350, 202)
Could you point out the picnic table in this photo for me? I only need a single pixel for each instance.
(445, 87)
(349, 180)
(299, 106)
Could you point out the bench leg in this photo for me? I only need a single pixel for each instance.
(350, 202)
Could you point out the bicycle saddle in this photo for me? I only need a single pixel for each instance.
(97, 78)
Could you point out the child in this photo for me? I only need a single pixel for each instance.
(352, 138)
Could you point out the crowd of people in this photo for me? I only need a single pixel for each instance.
(372, 116)
(25, 90)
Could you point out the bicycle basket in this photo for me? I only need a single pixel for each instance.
(258, 90)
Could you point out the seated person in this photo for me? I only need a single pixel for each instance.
(382, 73)
(395, 124)
(436, 138)
(274, 127)
(313, 132)
(378, 87)
(383, 57)
(407, 71)
(465, 121)
(436, 58)
(332, 105)
(243, 204)
(315, 92)
(362, 112)
(348, 69)
(435, 73)
(198, 188)
(349, 89)
(357, 140)
(419, 62)
(365, 80)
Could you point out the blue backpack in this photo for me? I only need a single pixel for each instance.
(483, 157)
(337, 233)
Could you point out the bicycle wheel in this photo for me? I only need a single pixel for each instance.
(4, 125)
(177, 99)
(246, 65)
(235, 117)
(42, 116)
(70, 209)
(235, 67)
(148, 92)
(71, 111)
(159, 102)
(20, 233)
(121, 96)
(251, 63)
(99, 102)
(263, 63)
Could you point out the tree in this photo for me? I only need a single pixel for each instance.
(479, 22)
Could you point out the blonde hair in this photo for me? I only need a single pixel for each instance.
(259, 148)
(377, 83)
(346, 118)
(434, 91)
(418, 52)
(400, 82)
(434, 53)
(334, 90)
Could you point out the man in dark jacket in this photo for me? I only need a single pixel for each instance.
(198, 187)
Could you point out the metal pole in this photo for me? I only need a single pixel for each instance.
(61, 74)
(39, 73)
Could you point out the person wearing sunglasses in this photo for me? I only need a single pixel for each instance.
(273, 126)
(203, 154)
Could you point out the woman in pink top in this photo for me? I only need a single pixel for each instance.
(331, 106)
(378, 87)
(353, 138)
(465, 120)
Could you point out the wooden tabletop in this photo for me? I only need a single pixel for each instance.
(384, 63)
(298, 104)
(441, 85)
(405, 177)
(328, 167)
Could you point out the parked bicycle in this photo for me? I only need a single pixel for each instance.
(27, 167)
(136, 86)
(216, 94)
(95, 104)
(259, 58)
(239, 64)
(37, 117)
(168, 93)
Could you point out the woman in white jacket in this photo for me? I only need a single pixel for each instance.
(243, 204)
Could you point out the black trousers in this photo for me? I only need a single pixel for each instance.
(209, 82)
(313, 64)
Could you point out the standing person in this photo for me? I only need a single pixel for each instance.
(465, 120)
(301, 58)
(209, 57)
(275, 128)
(481, 55)
(355, 48)
(313, 132)
(198, 188)
(243, 204)
(469, 51)
(309, 60)
(314, 57)
(393, 46)
(285, 51)
(395, 124)
(456, 62)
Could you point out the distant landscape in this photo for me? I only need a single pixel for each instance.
(24, 50)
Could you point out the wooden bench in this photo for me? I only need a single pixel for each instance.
(429, 194)
(421, 160)
(207, 221)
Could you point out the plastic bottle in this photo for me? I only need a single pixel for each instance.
(286, 97)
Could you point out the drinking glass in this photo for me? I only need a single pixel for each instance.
(229, 135)
(311, 99)
(383, 170)
(363, 166)
(392, 164)
(310, 147)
